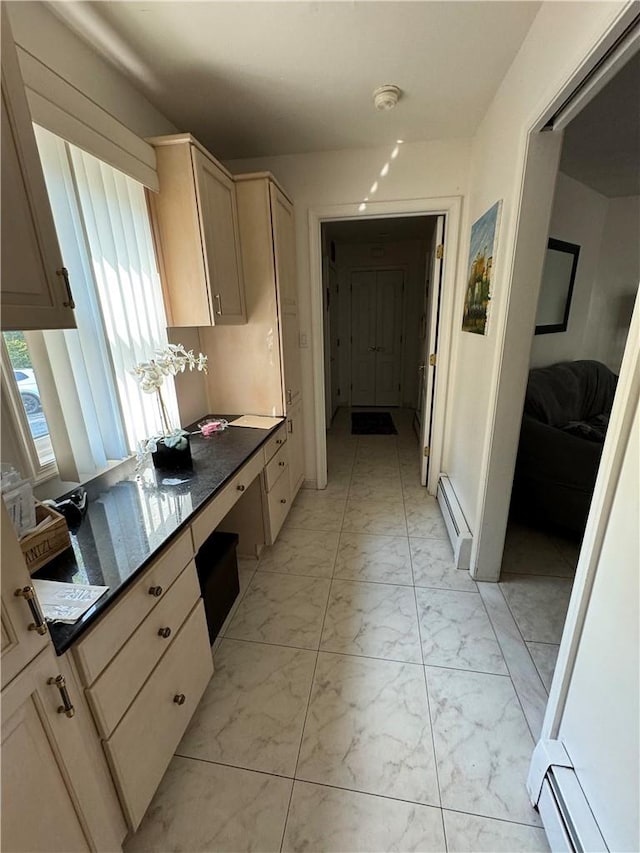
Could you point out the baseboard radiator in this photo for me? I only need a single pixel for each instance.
(555, 790)
(457, 527)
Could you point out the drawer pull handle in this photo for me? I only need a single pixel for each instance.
(165, 633)
(155, 591)
(282, 464)
(29, 594)
(283, 500)
(179, 698)
(290, 425)
(289, 395)
(241, 488)
(67, 705)
(63, 272)
(218, 304)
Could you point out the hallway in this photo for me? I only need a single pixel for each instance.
(361, 700)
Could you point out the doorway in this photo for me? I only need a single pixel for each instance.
(381, 281)
(589, 286)
(448, 207)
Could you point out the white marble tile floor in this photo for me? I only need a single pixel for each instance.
(362, 699)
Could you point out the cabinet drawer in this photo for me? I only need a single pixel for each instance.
(141, 747)
(97, 648)
(118, 685)
(278, 504)
(275, 442)
(206, 522)
(275, 467)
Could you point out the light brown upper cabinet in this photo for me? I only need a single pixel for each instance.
(195, 222)
(285, 268)
(262, 358)
(35, 291)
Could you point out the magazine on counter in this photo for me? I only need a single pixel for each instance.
(66, 602)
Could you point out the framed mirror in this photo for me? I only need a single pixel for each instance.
(558, 276)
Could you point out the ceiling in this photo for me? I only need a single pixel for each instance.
(389, 230)
(264, 78)
(601, 146)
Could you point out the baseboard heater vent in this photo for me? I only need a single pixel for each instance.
(457, 527)
(554, 788)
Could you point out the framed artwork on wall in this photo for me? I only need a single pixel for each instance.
(480, 271)
(558, 277)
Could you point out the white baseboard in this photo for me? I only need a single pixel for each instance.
(457, 527)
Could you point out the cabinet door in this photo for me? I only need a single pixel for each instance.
(44, 765)
(221, 241)
(21, 639)
(284, 241)
(285, 265)
(295, 443)
(34, 291)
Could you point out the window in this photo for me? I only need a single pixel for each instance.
(29, 418)
(81, 378)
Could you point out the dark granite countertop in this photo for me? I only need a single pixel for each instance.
(129, 521)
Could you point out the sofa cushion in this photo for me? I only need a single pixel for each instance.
(570, 392)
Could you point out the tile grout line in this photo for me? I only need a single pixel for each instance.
(356, 791)
(311, 683)
(521, 702)
(506, 663)
(426, 686)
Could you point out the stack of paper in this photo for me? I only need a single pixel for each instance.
(66, 602)
(256, 422)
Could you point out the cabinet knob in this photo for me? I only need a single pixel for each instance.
(179, 698)
(240, 488)
(283, 500)
(155, 591)
(67, 706)
(165, 633)
(282, 464)
(29, 594)
(279, 440)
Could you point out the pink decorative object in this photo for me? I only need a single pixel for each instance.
(209, 427)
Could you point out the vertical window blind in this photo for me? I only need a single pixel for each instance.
(103, 227)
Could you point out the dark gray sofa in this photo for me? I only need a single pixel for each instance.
(566, 413)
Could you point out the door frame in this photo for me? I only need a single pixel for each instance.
(385, 268)
(451, 208)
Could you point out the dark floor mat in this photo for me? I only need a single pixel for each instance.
(372, 423)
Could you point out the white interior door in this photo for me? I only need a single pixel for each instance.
(363, 338)
(429, 356)
(388, 354)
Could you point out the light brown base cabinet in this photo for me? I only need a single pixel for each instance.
(57, 793)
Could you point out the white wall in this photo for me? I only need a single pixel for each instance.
(616, 283)
(607, 277)
(409, 255)
(578, 216)
(39, 32)
(490, 371)
(421, 170)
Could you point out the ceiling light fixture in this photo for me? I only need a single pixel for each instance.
(386, 97)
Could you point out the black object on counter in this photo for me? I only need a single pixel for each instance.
(217, 568)
(171, 458)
